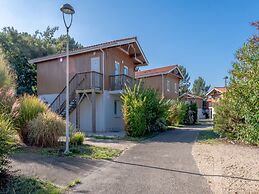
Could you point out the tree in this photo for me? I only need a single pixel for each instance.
(237, 114)
(185, 82)
(199, 87)
(19, 47)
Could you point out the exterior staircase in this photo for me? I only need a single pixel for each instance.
(85, 82)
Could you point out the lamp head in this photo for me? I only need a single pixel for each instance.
(67, 9)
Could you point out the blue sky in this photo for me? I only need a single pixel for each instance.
(202, 35)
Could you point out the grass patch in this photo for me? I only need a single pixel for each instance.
(139, 139)
(21, 185)
(82, 151)
(208, 136)
(105, 137)
(74, 183)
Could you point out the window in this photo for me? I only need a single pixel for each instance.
(116, 108)
(168, 85)
(116, 68)
(126, 70)
(175, 88)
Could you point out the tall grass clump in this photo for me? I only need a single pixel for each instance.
(29, 108)
(7, 133)
(6, 77)
(77, 138)
(7, 129)
(143, 111)
(45, 129)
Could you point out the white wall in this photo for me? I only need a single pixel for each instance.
(113, 122)
(86, 114)
(105, 118)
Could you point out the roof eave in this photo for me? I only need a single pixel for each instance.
(93, 48)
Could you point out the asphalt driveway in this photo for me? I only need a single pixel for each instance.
(163, 164)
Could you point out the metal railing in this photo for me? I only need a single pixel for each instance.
(80, 81)
(119, 82)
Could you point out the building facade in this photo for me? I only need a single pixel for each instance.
(98, 75)
(164, 79)
(213, 96)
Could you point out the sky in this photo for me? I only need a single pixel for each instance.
(202, 35)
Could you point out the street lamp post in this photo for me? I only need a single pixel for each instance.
(69, 10)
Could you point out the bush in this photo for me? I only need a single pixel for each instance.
(7, 132)
(45, 129)
(29, 108)
(191, 114)
(77, 138)
(177, 113)
(143, 111)
(182, 113)
(237, 114)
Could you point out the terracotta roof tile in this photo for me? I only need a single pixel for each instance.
(222, 89)
(150, 72)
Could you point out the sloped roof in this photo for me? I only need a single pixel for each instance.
(219, 89)
(157, 71)
(113, 43)
(190, 96)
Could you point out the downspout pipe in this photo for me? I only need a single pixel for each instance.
(163, 86)
(102, 65)
(103, 95)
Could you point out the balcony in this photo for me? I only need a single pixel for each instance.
(119, 82)
(88, 81)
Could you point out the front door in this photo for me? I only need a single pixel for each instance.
(95, 64)
(95, 67)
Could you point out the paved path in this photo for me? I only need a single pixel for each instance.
(162, 165)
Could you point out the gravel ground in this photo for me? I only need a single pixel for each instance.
(110, 143)
(234, 168)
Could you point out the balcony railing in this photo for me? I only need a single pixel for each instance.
(119, 82)
(80, 81)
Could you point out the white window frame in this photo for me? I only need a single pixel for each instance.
(175, 88)
(115, 64)
(168, 85)
(126, 70)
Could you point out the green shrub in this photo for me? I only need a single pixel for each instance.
(29, 108)
(7, 132)
(77, 138)
(177, 112)
(182, 113)
(191, 114)
(237, 114)
(143, 111)
(45, 129)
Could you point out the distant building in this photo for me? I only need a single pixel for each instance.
(164, 79)
(213, 96)
(193, 99)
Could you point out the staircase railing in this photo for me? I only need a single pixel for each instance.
(80, 81)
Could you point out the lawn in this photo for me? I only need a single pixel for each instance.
(21, 185)
(208, 136)
(82, 151)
